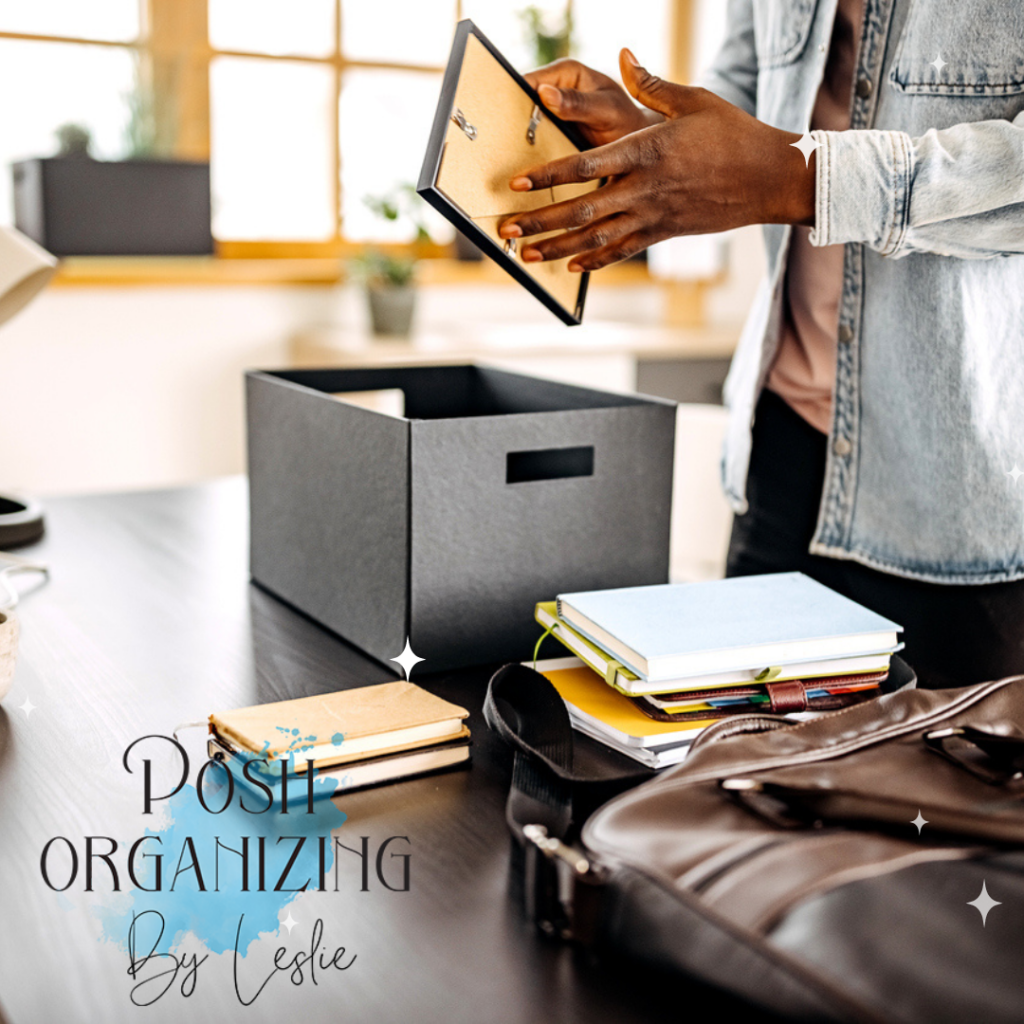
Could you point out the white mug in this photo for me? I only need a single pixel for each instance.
(9, 626)
(8, 649)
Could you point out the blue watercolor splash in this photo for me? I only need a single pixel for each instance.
(299, 745)
(291, 755)
(212, 916)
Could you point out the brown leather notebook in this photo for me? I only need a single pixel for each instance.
(335, 728)
(776, 698)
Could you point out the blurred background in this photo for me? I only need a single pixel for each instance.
(304, 122)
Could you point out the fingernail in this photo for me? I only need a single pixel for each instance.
(632, 60)
(521, 184)
(575, 268)
(510, 231)
(550, 95)
(532, 256)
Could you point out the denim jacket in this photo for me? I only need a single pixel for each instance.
(926, 452)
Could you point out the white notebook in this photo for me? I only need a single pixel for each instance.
(676, 630)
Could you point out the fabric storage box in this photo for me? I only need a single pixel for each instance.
(447, 525)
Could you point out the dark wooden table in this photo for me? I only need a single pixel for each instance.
(150, 620)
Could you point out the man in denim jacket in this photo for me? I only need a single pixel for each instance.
(876, 433)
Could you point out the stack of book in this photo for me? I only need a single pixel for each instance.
(658, 664)
(352, 738)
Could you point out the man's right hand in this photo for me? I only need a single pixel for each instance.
(600, 106)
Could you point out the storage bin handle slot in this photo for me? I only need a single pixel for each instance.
(549, 464)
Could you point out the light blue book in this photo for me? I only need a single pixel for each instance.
(676, 630)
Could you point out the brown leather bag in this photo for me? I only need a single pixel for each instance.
(784, 862)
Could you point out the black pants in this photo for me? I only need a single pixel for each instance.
(954, 635)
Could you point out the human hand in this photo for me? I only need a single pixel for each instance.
(707, 167)
(598, 104)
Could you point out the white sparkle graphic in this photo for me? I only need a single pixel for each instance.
(984, 903)
(28, 707)
(807, 146)
(938, 64)
(920, 821)
(1015, 474)
(407, 659)
(289, 922)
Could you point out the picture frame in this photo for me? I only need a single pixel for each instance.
(452, 187)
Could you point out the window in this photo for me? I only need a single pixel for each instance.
(303, 106)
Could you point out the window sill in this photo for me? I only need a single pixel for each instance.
(122, 271)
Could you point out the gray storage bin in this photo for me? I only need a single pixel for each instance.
(495, 491)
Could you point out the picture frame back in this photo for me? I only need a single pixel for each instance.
(489, 126)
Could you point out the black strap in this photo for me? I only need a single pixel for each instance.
(526, 711)
(548, 802)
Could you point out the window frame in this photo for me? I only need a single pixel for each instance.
(174, 46)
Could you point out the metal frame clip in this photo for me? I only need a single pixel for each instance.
(460, 119)
(531, 129)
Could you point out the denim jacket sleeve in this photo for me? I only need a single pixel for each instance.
(733, 73)
(955, 192)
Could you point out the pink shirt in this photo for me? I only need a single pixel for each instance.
(804, 370)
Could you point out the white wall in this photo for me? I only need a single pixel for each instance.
(116, 388)
(119, 388)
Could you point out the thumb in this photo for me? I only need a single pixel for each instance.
(664, 97)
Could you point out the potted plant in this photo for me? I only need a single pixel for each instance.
(74, 140)
(548, 41)
(390, 280)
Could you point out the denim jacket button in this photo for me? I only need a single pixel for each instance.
(845, 334)
(864, 88)
(842, 447)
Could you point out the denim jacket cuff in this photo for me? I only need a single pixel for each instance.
(862, 189)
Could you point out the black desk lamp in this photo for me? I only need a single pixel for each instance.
(25, 268)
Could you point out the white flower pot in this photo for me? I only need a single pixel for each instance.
(391, 309)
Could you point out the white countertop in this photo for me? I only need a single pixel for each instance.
(349, 346)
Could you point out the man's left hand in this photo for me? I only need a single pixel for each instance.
(708, 167)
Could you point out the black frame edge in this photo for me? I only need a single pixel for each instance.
(427, 188)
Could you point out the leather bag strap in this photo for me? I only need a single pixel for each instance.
(526, 711)
(549, 800)
(994, 757)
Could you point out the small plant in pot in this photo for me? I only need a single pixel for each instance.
(390, 280)
(74, 141)
(549, 40)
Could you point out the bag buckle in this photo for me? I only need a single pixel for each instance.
(552, 872)
(781, 806)
(992, 757)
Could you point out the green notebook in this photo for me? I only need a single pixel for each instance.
(628, 682)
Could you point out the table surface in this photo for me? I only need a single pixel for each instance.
(149, 620)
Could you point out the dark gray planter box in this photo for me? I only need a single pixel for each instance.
(495, 491)
(75, 206)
